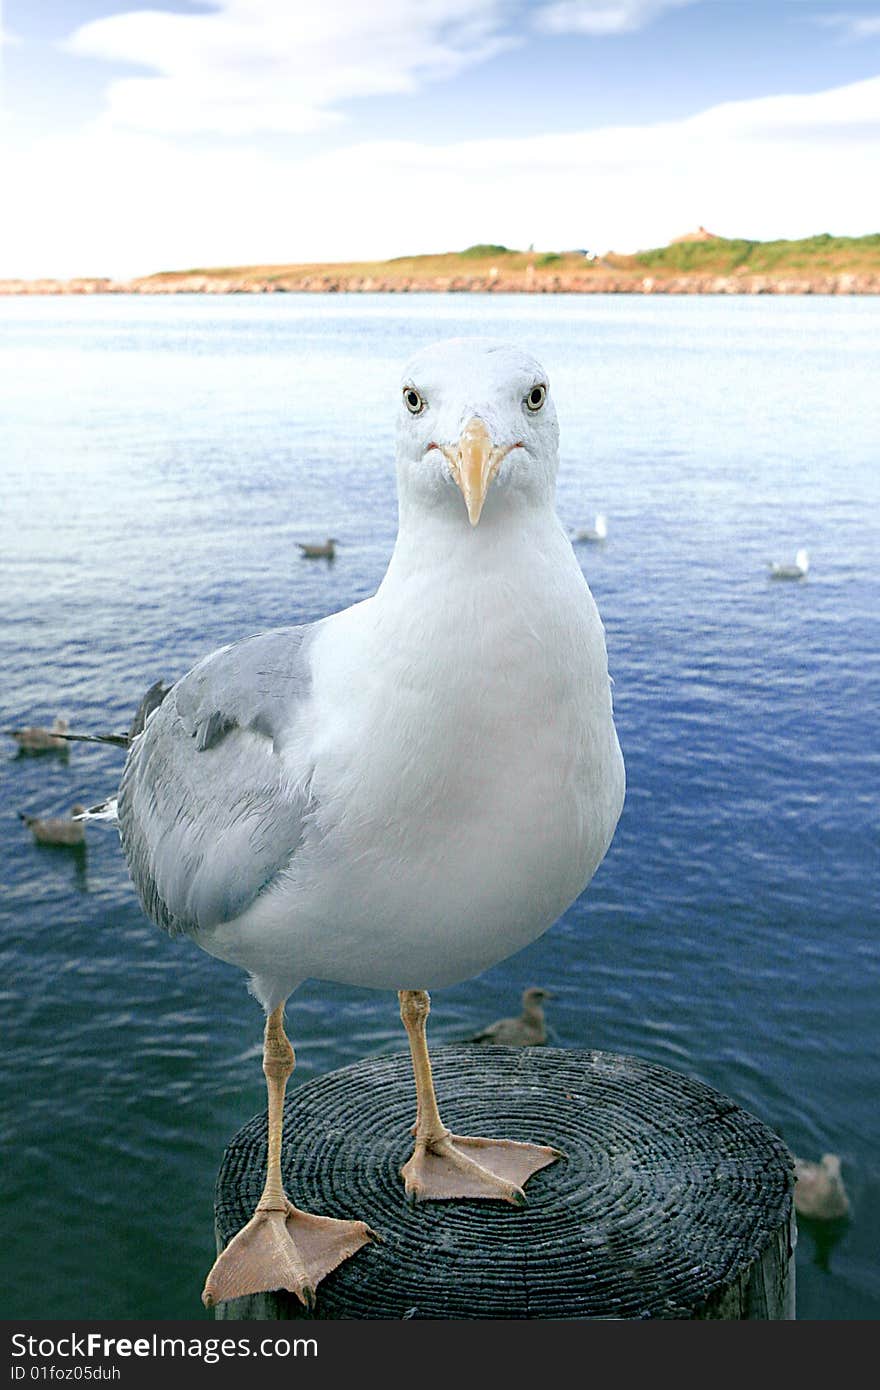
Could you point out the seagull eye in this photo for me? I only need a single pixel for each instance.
(415, 403)
(536, 398)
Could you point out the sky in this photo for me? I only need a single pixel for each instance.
(198, 133)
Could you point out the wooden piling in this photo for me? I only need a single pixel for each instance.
(671, 1202)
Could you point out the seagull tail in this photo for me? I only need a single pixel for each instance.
(104, 811)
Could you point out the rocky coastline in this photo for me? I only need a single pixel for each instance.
(323, 280)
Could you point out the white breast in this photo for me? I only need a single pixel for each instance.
(467, 776)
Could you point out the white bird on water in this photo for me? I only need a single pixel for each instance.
(819, 1191)
(798, 570)
(597, 532)
(403, 793)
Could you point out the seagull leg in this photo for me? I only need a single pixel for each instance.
(281, 1247)
(446, 1166)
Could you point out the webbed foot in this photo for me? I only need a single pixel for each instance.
(283, 1249)
(455, 1166)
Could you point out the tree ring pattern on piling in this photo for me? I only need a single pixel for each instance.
(667, 1194)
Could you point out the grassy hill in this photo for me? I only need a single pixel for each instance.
(720, 256)
(477, 260)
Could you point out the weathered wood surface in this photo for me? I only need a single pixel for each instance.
(671, 1202)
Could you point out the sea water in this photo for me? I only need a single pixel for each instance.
(160, 459)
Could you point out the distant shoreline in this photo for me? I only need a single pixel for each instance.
(847, 284)
(699, 264)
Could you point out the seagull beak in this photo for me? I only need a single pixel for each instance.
(475, 462)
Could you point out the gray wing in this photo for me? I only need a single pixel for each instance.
(205, 816)
(150, 701)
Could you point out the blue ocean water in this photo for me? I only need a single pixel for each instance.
(161, 457)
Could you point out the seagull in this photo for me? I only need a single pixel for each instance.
(57, 830)
(819, 1191)
(39, 740)
(597, 532)
(791, 571)
(529, 1030)
(400, 794)
(313, 550)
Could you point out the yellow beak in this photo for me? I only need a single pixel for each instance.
(475, 462)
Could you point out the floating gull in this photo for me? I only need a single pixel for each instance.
(57, 830)
(39, 740)
(597, 532)
(319, 550)
(789, 571)
(150, 701)
(403, 793)
(819, 1191)
(529, 1030)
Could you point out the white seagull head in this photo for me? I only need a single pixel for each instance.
(477, 431)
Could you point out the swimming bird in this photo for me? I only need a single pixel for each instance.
(819, 1191)
(403, 793)
(39, 740)
(148, 702)
(791, 571)
(57, 830)
(597, 532)
(314, 550)
(528, 1030)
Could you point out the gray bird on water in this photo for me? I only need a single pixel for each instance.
(527, 1030)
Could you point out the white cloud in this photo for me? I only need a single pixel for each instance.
(602, 16)
(852, 26)
(120, 202)
(248, 66)
(257, 65)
